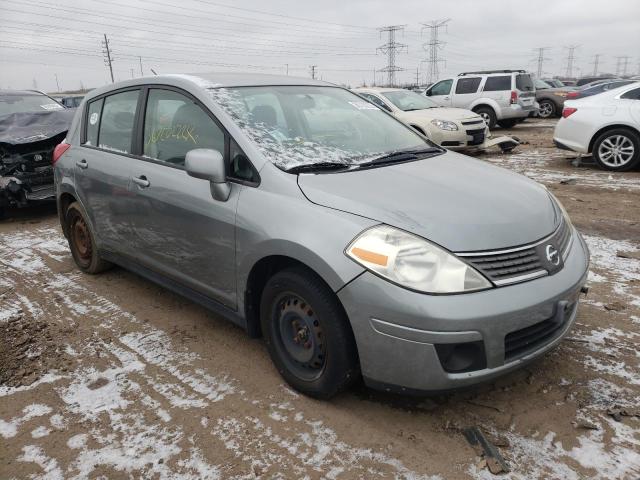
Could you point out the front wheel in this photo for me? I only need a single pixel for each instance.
(617, 150)
(308, 334)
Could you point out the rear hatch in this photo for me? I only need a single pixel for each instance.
(526, 90)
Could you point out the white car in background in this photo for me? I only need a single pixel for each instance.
(452, 128)
(606, 125)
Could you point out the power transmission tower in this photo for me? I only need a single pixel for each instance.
(570, 59)
(313, 71)
(140, 60)
(108, 59)
(596, 63)
(622, 64)
(541, 59)
(417, 76)
(57, 84)
(433, 46)
(391, 49)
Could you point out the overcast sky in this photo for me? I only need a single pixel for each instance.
(41, 39)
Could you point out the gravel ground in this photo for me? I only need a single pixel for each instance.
(110, 376)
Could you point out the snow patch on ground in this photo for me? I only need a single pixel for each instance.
(9, 429)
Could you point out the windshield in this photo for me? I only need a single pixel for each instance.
(408, 101)
(297, 126)
(541, 84)
(26, 103)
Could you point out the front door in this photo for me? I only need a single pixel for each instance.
(182, 232)
(441, 92)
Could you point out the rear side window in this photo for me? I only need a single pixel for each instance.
(117, 121)
(497, 84)
(524, 82)
(93, 122)
(632, 94)
(442, 88)
(468, 85)
(175, 124)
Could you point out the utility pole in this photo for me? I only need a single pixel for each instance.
(417, 76)
(596, 63)
(57, 84)
(570, 59)
(35, 84)
(374, 78)
(287, 67)
(313, 71)
(132, 73)
(140, 60)
(391, 49)
(433, 46)
(622, 64)
(541, 59)
(107, 56)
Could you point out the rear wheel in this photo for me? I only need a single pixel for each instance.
(82, 242)
(307, 334)
(488, 115)
(510, 123)
(547, 109)
(617, 149)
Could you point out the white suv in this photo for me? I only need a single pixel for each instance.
(501, 97)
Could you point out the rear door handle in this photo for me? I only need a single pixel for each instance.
(141, 181)
(82, 164)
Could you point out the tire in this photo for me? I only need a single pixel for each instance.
(489, 116)
(82, 242)
(510, 123)
(307, 334)
(547, 109)
(617, 150)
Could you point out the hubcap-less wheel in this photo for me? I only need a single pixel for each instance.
(486, 117)
(546, 110)
(81, 239)
(616, 151)
(299, 336)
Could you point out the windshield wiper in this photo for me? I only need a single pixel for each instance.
(312, 167)
(402, 156)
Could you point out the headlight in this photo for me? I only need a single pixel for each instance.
(412, 262)
(445, 125)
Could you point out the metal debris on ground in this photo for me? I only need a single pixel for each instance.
(483, 447)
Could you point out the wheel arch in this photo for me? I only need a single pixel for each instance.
(607, 128)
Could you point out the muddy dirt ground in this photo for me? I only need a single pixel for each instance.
(110, 376)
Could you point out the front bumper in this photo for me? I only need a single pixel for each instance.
(467, 137)
(401, 335)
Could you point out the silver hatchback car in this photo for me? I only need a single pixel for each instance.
(310, 217)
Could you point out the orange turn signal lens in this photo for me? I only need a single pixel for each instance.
(370, 257)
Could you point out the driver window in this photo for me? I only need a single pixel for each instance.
(175, 124)
(442, 88)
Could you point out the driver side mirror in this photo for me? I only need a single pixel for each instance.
(209, 165)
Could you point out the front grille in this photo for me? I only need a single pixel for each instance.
(473, 122)
(477, 136)
(521, 342)
(520, 264)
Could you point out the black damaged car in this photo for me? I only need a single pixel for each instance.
(31, 125)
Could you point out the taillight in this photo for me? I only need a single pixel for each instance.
(59, 151)
(566, 111)
(514, 97)
(572, 94)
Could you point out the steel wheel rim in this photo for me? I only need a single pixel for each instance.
(545, 110)
(82, 239)
(616, 151)
(486, 117)
(299, 336)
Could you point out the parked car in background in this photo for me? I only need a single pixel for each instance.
(599, 87)
(352, 244)
(554, 82)
(501, 97)
(584, 80)
(606, 125)
(550, 99)
(31, 125)
(70, 101)
(454, 128)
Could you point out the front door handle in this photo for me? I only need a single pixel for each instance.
(141, 181)
(447, 98)
(82, 164)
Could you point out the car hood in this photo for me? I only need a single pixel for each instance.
(440, 113)
(458, 202)
(29, 127)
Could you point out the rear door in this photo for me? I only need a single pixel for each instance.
(182, 232)
(440, 92)
(498, 88)
(466, 91)
(102, 166)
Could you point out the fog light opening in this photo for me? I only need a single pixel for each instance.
(462, 357)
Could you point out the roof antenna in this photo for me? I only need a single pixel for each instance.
(153, 71)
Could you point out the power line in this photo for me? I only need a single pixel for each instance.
(596, 63)
(541, 59)
(570, 59)
(391, 49)
(433, 47)
(107, 55)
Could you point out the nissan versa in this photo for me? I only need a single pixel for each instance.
(310, 217)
